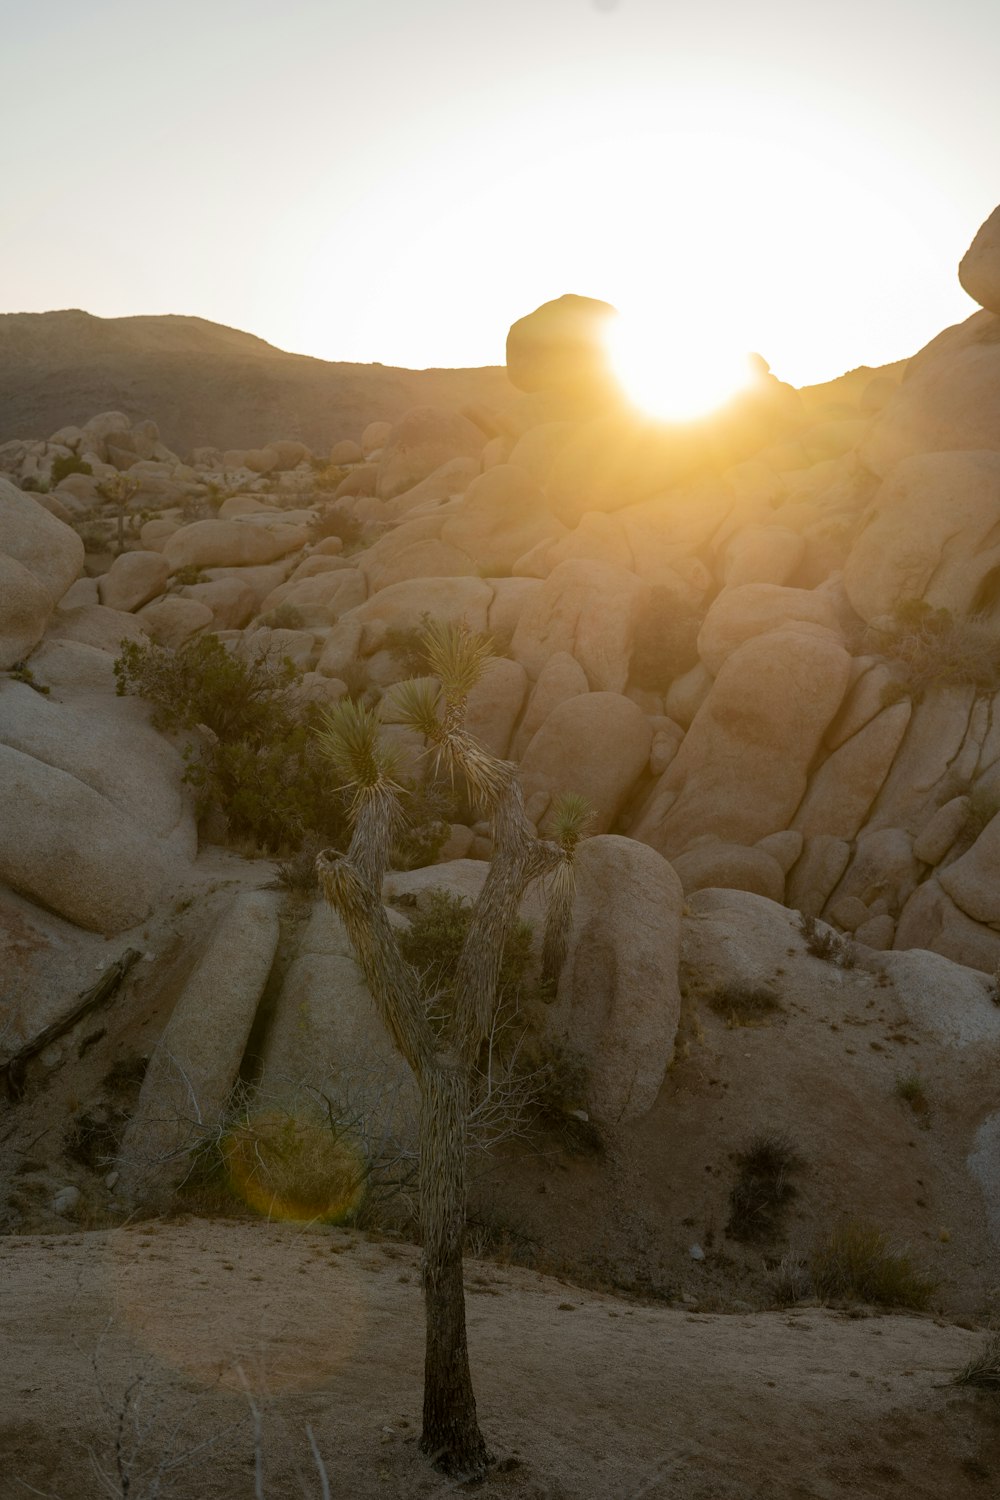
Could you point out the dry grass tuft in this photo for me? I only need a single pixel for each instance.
(983, 1369)
(855, 1262)
(745, 1004)
(933, 648)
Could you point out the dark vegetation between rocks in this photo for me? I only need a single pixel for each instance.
(745, 1004)
(823, 942)
(252, 751)
(931, 648)
(763, 1189)
(856, 1262)
(253, 754)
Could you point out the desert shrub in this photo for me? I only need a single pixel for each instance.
(297, 873)
(93, 1136)
(910, 1089)
(256, 757)
(328, 476)
(65, 464)
(21, 672)
(407, 644)
(429, 812)
(666, 640)
(561, 1085)
(933, 648)
(337, 520)
(789, 1282)
(195, 508)
(189, 574)
(823, 942)
(293, 1166)
(433, 945)
(284, 616)
(856, 1262)
(983, 1369)
(763, 1189)
(744, 1004)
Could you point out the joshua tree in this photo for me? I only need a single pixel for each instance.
(118, 490)
(442, 1051)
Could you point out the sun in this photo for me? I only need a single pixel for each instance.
(672, 370)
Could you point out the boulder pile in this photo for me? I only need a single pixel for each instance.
(765, 646)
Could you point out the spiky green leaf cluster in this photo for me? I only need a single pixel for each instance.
(456, 655)
(570, 816)
(351, 741)
(418, 703)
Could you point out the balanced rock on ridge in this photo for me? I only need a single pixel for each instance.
(561, 347)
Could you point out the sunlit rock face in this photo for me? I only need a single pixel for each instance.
(949, 398)
(915, 546)
(979, 271)
(419, 443)
(561, 347)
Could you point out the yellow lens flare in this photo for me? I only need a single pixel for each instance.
(294, 1168)
(672, 372)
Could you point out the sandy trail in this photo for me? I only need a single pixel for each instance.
(594, 1396)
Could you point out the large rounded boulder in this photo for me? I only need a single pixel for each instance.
(618, 1001)
(932, 535)
(561, 346)
(40, 557)
(979, 271)
(421, 441)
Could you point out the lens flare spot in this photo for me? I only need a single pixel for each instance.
(672, 371)
(294, 1168)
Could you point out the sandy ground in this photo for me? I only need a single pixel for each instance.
(205, 1323)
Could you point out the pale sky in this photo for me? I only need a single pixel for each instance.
(398, 181)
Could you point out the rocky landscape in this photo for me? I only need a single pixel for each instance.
(765, 648)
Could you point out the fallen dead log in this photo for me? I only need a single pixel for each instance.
(13, 1070)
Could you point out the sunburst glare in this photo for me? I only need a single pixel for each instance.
(673, 372)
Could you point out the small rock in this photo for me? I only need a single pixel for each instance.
(65, 1201)
(696, 1252)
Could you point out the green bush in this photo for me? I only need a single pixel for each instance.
(855, 1262)
(407, 644)
(433, 945)
(256, 758)
(337, 520)
(430, 810)
(188, 575)
(65, 464)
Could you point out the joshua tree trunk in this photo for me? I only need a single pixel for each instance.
(443, 1060)
(451, 1434)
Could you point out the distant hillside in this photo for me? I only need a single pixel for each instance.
(204, 383)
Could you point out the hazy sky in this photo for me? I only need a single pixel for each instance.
(397, 181)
